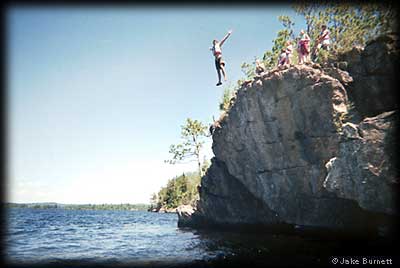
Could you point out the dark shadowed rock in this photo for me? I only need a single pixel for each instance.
(226, 200)
(374, 71)
(339, 74)
(363, 170)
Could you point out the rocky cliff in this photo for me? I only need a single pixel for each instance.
(374, 69)
(362, 169)
(287, 152)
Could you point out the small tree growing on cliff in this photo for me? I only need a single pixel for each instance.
(226, 98)
(192, 134)
(270, 57)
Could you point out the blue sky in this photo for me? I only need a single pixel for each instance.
(97, 95)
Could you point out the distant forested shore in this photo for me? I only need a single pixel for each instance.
(51, 205)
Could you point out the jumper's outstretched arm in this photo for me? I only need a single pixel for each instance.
(225, 37)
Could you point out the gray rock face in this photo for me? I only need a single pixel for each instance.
(374, 70)
(225, 200)
(362, 170)
(278, 136)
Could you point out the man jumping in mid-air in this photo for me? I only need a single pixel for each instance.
(219, 63)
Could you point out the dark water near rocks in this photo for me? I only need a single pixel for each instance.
(56, 236)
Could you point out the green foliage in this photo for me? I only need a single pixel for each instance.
(248, 69)
(181, 190)
(192, 135)
(349, 25)
(288, 25)
(350, 112)
(322, 56)
(270, 57)
(342, 118)
(226, 98)
(206, 165)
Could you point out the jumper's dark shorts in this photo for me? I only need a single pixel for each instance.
(218, 62)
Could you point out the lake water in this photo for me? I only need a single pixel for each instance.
(57, 236)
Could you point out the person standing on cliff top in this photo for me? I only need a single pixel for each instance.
(304, 47)
(217, 52)
(289, 51)
(282, 59)
(324, 39)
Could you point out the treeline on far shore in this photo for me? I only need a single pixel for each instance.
(126, 206)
